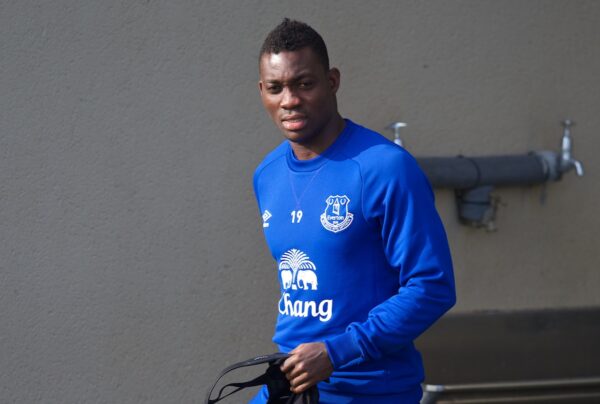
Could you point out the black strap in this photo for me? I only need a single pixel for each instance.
(254, 382)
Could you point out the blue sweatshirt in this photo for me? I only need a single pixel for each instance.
(362, 257)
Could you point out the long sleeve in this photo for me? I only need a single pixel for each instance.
(401, 204)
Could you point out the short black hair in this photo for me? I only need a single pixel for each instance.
(293, 35)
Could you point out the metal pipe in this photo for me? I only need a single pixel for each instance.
(470, 172)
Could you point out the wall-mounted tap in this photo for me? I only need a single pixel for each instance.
(566, 161)
(396, 126)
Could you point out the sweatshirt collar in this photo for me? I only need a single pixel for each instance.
(318, 161)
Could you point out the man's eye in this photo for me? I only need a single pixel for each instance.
(274, 89)
(306, 84)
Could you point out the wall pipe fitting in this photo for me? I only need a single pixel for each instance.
(474, 178)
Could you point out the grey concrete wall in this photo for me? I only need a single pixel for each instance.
(132, 264)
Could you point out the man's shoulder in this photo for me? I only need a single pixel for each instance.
(383, 164)
(374, 153)
(274, 155)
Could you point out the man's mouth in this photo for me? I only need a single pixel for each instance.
(294, 122)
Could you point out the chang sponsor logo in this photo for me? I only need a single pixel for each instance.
(298, 273)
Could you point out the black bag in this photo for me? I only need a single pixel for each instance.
(274, 378)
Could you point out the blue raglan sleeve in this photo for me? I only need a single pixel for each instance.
(398, 199)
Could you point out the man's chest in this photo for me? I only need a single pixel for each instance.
(320, 209)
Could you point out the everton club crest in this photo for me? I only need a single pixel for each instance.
(336, 216)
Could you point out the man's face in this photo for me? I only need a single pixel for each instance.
(299, 93)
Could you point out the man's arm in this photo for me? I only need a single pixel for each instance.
(415, 244)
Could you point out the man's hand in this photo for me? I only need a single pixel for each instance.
(307, 365)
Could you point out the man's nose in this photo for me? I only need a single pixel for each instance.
(289, 99)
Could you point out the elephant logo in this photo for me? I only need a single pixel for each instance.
(297, 271)
(306, 279)
(286, 278)
(336, 216)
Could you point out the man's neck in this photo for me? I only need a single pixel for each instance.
(316, 147)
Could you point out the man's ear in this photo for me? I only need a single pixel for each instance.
(333, 75)
(260, 86)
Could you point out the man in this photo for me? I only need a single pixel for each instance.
(362, 256)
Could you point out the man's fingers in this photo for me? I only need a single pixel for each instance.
(288, 364)
(306, 366)
(299, 378)
(302, 387)
(295, 371)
